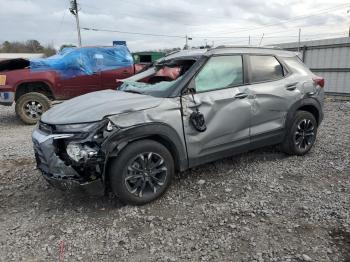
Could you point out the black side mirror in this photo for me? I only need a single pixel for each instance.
(198, 121)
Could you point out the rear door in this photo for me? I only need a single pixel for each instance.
(81, 81)
(222, 98)
(79, 85)
(273, 90)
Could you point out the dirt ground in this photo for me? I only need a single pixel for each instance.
(259, 206)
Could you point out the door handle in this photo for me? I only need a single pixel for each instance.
(125, 72)
(241, 95)
(292, 86)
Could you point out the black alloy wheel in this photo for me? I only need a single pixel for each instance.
(304, 136)
(301, 134)
(146, 174)
(142, 172)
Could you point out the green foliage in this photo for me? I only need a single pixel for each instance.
(29, 46)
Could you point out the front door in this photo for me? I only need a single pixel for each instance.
(220, 95)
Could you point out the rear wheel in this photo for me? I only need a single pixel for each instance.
(142, 172)
(302, 134)
(30, 107)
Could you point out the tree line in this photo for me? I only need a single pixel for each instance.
(29, 46)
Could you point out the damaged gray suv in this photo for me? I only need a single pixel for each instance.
(190, 108)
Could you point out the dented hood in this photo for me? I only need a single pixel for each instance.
(95, 106)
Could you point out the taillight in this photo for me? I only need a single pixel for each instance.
(319, 81)
(2, 80)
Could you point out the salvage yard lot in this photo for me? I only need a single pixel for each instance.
(262, 206)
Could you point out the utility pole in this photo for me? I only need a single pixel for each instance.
(75, 11)
(349, 25)
(249, 40)
(261, 39)
(299, 40)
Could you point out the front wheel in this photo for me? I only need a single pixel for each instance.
(302, 135)
(30, 107)
(142, 172)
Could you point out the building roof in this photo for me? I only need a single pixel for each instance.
(4, 56)
(320, 42)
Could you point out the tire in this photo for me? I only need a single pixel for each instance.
(30, 107)
(301, 135)
(129, 173)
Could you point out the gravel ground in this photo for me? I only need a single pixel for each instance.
(259, 206)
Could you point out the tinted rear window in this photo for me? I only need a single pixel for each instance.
(265, 68)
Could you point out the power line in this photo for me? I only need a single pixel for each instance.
(131, 33)
(183, 36)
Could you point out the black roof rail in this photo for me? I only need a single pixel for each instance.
(247, 46)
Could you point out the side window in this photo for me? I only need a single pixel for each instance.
(265, 68)
(220, 72)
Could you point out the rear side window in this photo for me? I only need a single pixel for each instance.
(220, 72)
(265, 68)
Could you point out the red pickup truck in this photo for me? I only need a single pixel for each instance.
(32, 85)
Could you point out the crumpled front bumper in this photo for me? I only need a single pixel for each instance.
(55, 171)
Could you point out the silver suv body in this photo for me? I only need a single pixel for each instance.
(189, 108)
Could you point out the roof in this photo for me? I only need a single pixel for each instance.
(186, 53)
(193, 53)
(250, 50)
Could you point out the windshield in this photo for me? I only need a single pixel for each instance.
(158, 80)
(144, 88)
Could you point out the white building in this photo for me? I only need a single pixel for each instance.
(5, 56)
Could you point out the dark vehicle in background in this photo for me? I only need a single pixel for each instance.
(147, 57)
(32, 85)
(190, 108)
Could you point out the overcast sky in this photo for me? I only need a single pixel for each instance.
(218, 21)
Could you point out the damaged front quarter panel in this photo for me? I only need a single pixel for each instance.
(163, 123)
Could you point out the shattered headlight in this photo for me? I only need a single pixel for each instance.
(78, 152)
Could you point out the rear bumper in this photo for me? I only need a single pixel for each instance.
(7, 98)
(55, 171)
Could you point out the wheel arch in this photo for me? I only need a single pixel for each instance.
(313, 110)
(310, 105)
(42, 87)
(158, 132)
